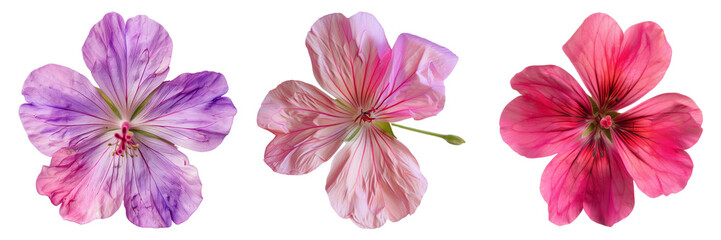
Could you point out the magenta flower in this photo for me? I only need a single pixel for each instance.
(116, 143)
(373, 177)
(601, 152)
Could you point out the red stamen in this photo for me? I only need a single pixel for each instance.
(124, 139)
(366, 116)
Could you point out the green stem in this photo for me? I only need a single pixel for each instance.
(418, 130)
(452, 139)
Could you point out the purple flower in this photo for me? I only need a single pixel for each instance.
(115, 143)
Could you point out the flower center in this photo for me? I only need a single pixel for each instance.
(366, 116)
(606, 122)
(124, 142)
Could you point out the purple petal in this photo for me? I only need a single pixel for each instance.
(189, 111)
(87, 181)
(128, 61)
(162, 187)
(413, 85)
(63, 108)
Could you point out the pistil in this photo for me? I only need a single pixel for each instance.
(124, 142)
(606, 122)
(366, 116)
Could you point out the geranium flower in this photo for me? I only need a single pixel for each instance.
(116, 143)
(373, 177)
(601, 152)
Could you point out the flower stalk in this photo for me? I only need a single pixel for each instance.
(452, 139)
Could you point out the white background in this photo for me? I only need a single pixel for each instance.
(478, 190)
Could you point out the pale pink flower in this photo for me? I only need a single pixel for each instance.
(601, 152)
(373, 177)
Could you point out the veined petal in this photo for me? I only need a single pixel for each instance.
(189, 111)
(162, 187)
(308, 126)
(645, 56)
(349, 56)
(609, 191)
(594, 50)
(588, 175)
(63, 108)
(413, 85)
(549, 115)
(618, 68)
(128, 60)
(375, 178)
(563, 183)
(87, 181)
(652, 138)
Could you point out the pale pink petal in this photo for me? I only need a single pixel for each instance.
(128, 61)
(594, 51)
(161, 187)
(563, 183)
(308, 126)
(550, 114)
(189, 111)
(413, 85)
(375, 178)
(618, 68)
(349, 56)
(87, 181)
(609, 191)
(63, 108)
(652, 138)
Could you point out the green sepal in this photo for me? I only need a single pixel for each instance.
(107, 100)
(589, 129)
(145, 102)
(343, 105)
(607, 132)
(453, 139)
(352, 135)
(386, 127)
(613, 114)
(594, 105)
(150, 135)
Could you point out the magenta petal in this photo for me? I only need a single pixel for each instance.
(190, 111)
(88, 182)
(349, 56)
(618, 68)
(413, 85)
(563, 182)
(375, 178)
(162, 187)
(128, 61)
(549, 115)
(609, 191)
(308, 126)
(645, 55)
(594, 50)
(652, 138)
(63, 108)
